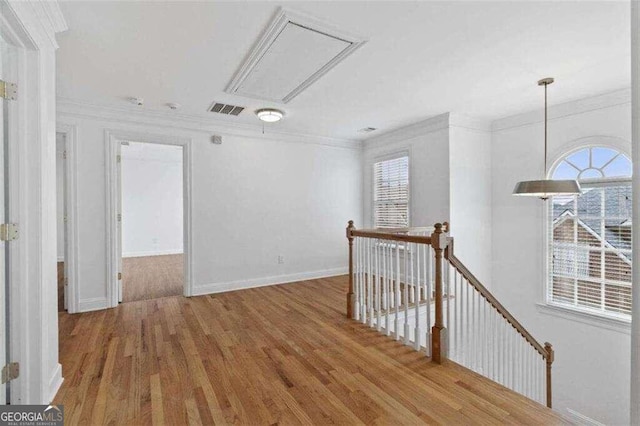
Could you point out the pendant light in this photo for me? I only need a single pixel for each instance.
(546, 187)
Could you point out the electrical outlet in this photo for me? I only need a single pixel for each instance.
(280, 260)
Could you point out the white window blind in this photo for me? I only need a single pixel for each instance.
(591, 248)
(391, 193)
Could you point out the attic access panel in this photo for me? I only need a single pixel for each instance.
(294, 52)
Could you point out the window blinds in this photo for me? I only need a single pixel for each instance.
(391, 193)
(590, 253)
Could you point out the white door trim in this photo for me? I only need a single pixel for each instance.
(113, 139)
(71, 196)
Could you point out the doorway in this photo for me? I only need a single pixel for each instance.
(113, 153)
(61, 221)
(152, 234)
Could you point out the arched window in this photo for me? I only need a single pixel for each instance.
(590, 234)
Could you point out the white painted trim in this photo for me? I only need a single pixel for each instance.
(579, 418)
(607, 322)
(93, 304)
(634, 389)
(113, 138)
(54, 383)
(69, 108)
(283, 17)
(60, 259)
(567, 109)
(469, 123)
(152, 253)
(262, 282)
(71, 239)
(606, 141)
(33, 314)
(430, 125)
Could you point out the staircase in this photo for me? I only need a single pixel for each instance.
(408, 283)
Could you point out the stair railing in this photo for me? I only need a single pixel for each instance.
(408, 283)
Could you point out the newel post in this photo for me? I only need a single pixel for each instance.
(438, 332)
(350, 295)
(549, 349)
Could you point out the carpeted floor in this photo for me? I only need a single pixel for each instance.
(151, 277)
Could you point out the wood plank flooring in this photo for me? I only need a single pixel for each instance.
(151, 277)
(273, 355)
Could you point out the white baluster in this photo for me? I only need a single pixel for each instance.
(363, 306)
(416, 289)
(388, 286)
(426, 256)
(396, 323)
(370, 281)
(407, 340)
(378, 289)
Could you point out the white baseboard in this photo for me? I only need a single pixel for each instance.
(93, 304)
(202, 289)
(151, 253)
(581, 419)
(54, 384)
(60, 258)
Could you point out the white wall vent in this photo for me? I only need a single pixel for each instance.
(294, 51)
(226, 109)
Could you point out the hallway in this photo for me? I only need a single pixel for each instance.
(280, 354)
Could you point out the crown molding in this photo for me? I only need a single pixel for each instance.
(469, 123)
(430, 125)
(170, 119)
(580, 106)
(53, 14)
(41, 20)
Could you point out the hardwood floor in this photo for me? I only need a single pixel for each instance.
(282, 354)
(151, 277)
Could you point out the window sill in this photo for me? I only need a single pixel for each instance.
(607, 322)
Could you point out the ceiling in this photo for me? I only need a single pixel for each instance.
(422, 59)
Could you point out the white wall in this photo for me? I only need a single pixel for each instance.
(152, 203)
(470, 198)
(60, 146)
(254, 198)
(591, 369)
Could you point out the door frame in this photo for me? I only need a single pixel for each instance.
(70, 133)
(113, 140)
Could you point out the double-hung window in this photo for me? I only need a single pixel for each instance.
(590, 235)
(391, 192)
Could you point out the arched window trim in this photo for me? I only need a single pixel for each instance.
(615, 143)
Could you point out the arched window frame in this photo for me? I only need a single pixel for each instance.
(612, 300)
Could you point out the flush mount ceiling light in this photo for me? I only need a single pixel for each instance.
(546, 187)
(269, 115)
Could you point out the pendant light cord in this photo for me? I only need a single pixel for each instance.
(544, 175)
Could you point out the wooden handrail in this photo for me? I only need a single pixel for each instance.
(455, 262)
(381, 235)
(405, 230)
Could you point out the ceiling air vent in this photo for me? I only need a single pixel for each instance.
(226, 109)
